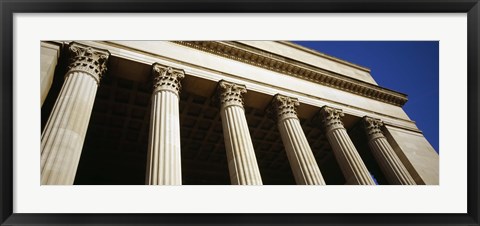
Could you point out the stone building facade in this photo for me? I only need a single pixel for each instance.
(221, 112)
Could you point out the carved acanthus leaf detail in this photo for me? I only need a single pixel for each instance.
(89, 60)
(283, 107)
(372, 126)
(230, 93)
(167, 78)
(331, 117)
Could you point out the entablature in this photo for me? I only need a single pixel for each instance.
(277, 63)
(133, 61)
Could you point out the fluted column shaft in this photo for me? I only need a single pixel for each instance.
(242, 162)
(302, 161)
(164, 162)
(351, 164)
(64, 133)
(388, 161)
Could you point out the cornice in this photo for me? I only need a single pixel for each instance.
(277, 63)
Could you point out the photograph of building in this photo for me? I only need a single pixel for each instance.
(221, 113)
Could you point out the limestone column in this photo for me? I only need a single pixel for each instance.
(242, 162)
(48, 62)
(64, 133)
(388, 161)
(164, 163)
(347, 156)
(299, 153)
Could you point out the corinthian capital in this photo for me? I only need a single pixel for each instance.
(167, 78)
(373, 127)
(89, 60)
(283, 107)
(230, 93)
(331, 118)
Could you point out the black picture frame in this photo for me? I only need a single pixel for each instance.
(9, 7)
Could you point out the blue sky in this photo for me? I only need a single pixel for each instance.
(409, 67)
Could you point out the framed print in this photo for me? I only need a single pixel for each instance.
(137, 99)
